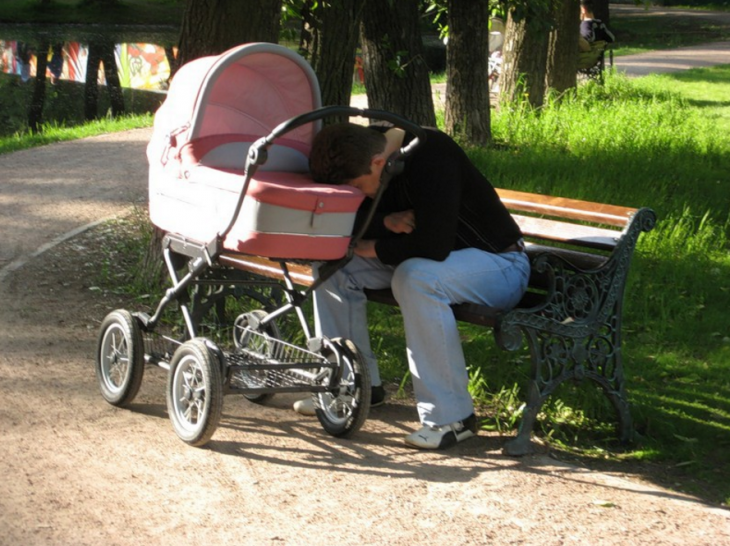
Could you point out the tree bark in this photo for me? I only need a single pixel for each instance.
(467, 65)
(562, 57)
(525, 58)
(210, 27)
(35, 112)
(396, 74)
(91, 86)
(335, 43)
(102, 52)
(111, 74)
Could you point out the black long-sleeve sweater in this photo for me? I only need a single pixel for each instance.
(455, 206)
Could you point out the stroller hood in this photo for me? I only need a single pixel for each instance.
(248, 90)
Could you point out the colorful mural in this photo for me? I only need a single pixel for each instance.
(140, 66)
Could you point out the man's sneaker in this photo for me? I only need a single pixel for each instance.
(377, 396)
(444, 436)
(305, 406)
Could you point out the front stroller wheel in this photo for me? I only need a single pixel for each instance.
(119, 358)
(194, 392)
(342, 410)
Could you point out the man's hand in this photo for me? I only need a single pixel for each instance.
(400, 222)
(365, 248)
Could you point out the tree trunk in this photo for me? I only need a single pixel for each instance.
(525, 57)
(210, 27)
(562, 58)
(111, 74)
(91, 86)
(467, 64)
(333, 57)
(396, 74)
(35, 112)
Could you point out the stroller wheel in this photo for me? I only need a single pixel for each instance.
(343, 410)
(242, 337)
(119, 358)
(194, 392)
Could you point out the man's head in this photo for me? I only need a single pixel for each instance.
(586, 8)
(348, 154)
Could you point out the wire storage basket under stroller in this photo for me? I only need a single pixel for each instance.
(229, 181)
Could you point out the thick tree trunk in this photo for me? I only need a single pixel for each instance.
(467, 64)
(91, 86)
(562, 58)
(210, 27)
(396, 74)
(335, 41)
(525, 58)
(35, 112)
(111, 74)
(102, 53)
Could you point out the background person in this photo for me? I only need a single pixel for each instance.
(592, 29)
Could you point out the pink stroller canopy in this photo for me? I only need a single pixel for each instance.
(248, 90)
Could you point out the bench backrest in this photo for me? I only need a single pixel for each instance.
(584, 233)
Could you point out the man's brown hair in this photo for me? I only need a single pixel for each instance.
(343, 151)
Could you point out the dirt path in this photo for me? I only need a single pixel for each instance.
(77, 471)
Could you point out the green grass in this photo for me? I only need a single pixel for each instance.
(58, 133)
(661, 142)
(640, 33)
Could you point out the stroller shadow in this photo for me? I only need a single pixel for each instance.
(282, 437)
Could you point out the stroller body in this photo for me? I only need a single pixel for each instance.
(228, 181)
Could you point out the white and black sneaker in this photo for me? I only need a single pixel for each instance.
(444, 436)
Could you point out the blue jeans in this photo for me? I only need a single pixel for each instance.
(424, 290)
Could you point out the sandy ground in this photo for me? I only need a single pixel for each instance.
(78, 471)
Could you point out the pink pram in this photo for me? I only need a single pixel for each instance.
(229, 177)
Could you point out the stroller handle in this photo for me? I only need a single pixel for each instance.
(257, 154)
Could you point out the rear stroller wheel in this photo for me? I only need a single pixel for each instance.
(194, 392)
(343, 410)
(119, 361)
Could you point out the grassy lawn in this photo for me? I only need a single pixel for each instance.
(637, 33)
(659, 141)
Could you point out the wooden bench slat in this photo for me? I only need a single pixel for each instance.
(562, 207)
(301, 274)
(575, 234)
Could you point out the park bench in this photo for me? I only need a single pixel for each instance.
(570, 316)
(592, 63)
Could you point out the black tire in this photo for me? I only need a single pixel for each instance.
(239, 338)
(342, 411)
(194, 392)
(119, 361)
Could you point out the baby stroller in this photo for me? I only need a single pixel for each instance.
(228, 182)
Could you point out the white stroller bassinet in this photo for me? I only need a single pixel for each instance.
(216, 109)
